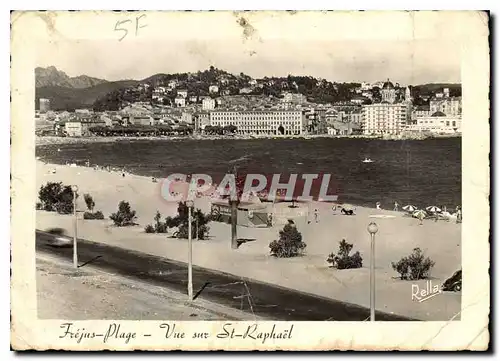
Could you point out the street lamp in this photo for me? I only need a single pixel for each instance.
(74, 189)
(190, 204)
(372, 229)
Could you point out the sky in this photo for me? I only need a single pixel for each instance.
(406, 62)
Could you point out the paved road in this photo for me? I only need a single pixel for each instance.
(268, 301)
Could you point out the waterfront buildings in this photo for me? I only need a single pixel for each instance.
(385, 118)
(438, 123)
(261, 122)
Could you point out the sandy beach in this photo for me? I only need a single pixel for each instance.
(397, 236)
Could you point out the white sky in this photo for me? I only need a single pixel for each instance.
(273, 49)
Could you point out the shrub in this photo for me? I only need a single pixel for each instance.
(414, 266)
(289, 243)
(199, 224)
(342, 260)
(89, 201)
(39, 206)
(96, 215)
(125, 215)
(56, 197)
(149, 229)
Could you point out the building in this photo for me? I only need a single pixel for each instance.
(73, 129)
(208, 104)
(261, 122)
(355, 118)
(172, 84)
(421, 111)
(213, 89)
(245, 90)
(187, 118)
(182, 93)
(296, 98)
(44, 105)
(201, 120)
(180, 102)
(388, 92)
(159, 93)
(438, 123)
(451, 106)
(385, 118)
(142, 120)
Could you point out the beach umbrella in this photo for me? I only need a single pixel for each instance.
(433, 209)
(419, 214)
(410, 208)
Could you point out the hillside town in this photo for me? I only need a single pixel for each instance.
(243, 106)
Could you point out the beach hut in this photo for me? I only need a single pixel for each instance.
(250, 214)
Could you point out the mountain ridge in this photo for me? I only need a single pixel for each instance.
(51, 76)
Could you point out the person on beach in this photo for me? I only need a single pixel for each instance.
(396, 206)
(316, 216)
(334, 209)
(378, 206)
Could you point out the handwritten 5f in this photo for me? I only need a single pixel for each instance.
(121, 25)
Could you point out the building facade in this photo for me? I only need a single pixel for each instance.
(388, 92)
(439, 124)
(73, 129)
(208, 104)
(180, 102)
(451, 106)
(384, 118)
(261, 122)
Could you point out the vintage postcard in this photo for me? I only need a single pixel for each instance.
(250, 180)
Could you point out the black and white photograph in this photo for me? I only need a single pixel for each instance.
(254, 170)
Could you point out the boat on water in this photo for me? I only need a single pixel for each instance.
(367, 160)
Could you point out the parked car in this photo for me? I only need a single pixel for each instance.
(454, 283)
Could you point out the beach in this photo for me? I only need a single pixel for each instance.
(396, 237)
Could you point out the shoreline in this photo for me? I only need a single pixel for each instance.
(50, 140)
(146, 178)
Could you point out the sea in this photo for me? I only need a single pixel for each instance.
(418, 172)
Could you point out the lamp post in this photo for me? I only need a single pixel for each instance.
(372, 229)
(190, 205)
(74, 188)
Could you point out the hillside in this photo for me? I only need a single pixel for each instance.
(52, 77)
(64, 98)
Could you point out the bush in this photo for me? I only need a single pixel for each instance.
(289, 243)
(39, 206)
(342, 260)
(125, 215)
(149, 229)
(89, 201)
(199, 224)
(414, 266)
(96, 215)
(56, 197)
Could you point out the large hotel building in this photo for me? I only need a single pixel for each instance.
(386, 118)
(271, 122)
